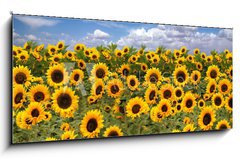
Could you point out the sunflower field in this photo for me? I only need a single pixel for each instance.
(107, 91)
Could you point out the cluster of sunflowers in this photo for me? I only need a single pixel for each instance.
(105, 91)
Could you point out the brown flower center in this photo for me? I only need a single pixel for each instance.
(181, 76)
(64, 100)
(18, 98)
(224, 88)
(100, 73)
(35, 113)
(213, 74)
(178, 93)
(152, 95)
(230, 102)
(114, 89)
(76, 77)
(207, 119)
(99, 90)
(20, 78)
(189, 103)
(136, 108)
(92, 125)
(113, 133)
(218, 101)
(167, 94)
(57, 76)
(164, 108)
(212, 88)
(153, 77)
(223, 126)
(39, 96)
(125, 72)
(132, 82)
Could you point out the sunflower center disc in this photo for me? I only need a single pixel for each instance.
(20, 78)
(76, 77)
(153, 78)
(152, 95)
(114, 89)
(178, 93)
(132, 82)
(100, 73)
(39, 96)
(113, 133)
(18, 98)
(64, 101)
(189, 103)
(224, 87)
(98, 90)
(57, 76)
(181, 76)
(136, 108)
(167, 94)
(212, 88)
(207, 119)
(125, 72)
(164, 108)
(195, 77)
(35, 113)
(92, 125)
(223, 126)
(230, 102)
(213, 74)
(218, 101)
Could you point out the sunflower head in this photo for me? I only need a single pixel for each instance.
(153, 75)
(76, 77)
(229, 102)
(165, 107)
(213, 72)
(180, 75)
(36, 112)
(223, 125)
(151, 94)
(39, 93)
(68, 135)
(206, 118)
(132, 82)
(113, 131)
(217, 100)
(21, 75)
(100, 71)
(19, 96)
(188, 102)
(224, 86)
(178, 92)
(79, 47)
(195, 77)
(135, 107)
(91, 124)
(196, 51)
(60, 45)
(115, 88)
(211, 86)
(124, 70)
(97, 88)
(57, 75)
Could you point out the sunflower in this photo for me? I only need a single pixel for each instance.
(60, 45)
(187, 120)
(36, 112)
(114, 88)
(178, 93)
(201, 103)
(23, 56)
(224, 86)
(151, 94)
(124, 70)
(209, 58)
(223, 124)
(229, 102)
(92, 99)
(39, 93)
(211, 86)
(76, 77)
(113, 131)
(177, 53)
(100, 71)
(79, 47)
(155, 59)
(195, 77)
(199, 66)
(229, 56)
(178, 108)
(65, 102)
(206, 118)
(132, 82)
(125, 50)
(97, 88)
(190, 58)
(68, 135)
(52, 49)
(21, 75)
(196, 51)
(95, 55)
(144, 67)
(213, 72)
(230, 71)
(50, 139)
(203, 55)
(165, 107)
(183, 49)
(189, 128)
(180, 75)
(65, 127)
(133, 59)
(56, 58)
(91, 124)
(27, 46)
(156, 114)
(166, 92)
(153, 75)
(135, 107)
(70, 55)
(180, 60)
(188, 102)
(87, 52)
(26, 121)
(118, 53)
(81, 64)
(19, 96)
(47, 116)
(217, 100)
(57, 75)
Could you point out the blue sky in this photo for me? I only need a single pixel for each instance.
(94, 32)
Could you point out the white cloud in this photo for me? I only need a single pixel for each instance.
(31, 37)
(176, 36)
(15, 35)
(36, 22)
(98, 34)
